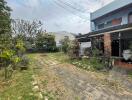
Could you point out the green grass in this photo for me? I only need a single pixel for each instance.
(19, 86)
(60, 56)
(87, 64)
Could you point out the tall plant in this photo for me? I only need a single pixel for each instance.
(73, 50)
(65, 44)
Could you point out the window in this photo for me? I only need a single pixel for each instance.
(130, 18)
(116, 21)
(100, 26)
(108, 24)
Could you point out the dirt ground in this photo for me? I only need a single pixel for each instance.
(64, 81)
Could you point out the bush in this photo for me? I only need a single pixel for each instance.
(96, 63)
(87, 52)
(74, 49)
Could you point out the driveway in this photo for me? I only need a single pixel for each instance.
(71, 83)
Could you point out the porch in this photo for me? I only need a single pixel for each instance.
(117, 44)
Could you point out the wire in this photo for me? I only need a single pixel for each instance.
(71, 6)
(60, 5)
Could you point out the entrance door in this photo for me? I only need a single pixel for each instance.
(115, 48)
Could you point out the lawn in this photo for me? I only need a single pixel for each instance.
(19, 87)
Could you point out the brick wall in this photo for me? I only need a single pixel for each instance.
(107, 44)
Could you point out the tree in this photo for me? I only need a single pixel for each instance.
(26, 28)
(9, 48)
(74, 49)
(65, 44)
(26, 31)
(5, 23)
(45, 42)
(5, 36)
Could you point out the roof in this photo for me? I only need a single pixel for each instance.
(115, 5)
(83, 38)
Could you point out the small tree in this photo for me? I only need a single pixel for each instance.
(45, 42)
(65, 44)
(74, 49)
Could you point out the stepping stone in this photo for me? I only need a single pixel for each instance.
(46, 98)
(35, 88)
(34, 83)
(40, 96)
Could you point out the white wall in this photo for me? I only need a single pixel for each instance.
(83, 46)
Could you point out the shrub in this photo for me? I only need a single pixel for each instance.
(8, 60)
(65, 44)
(74, 49)
(87, 52)
(96, 63)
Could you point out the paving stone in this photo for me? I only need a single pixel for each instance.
(34, 83)
(35, 88)
(40, 96)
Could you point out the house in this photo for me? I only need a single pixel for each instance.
(61, 35)
(111, 31)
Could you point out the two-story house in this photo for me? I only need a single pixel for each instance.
(111, 29)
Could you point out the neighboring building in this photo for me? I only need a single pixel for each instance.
(61, 35)
(111, 30)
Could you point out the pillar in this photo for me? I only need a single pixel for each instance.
(107, 44)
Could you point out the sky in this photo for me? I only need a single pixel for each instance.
(57, 15)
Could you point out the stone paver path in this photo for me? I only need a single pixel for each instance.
(84, 85)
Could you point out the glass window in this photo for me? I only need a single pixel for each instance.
(116, 21)
(100, 26)
(108, 24)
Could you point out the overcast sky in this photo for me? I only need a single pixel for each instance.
(58, 15)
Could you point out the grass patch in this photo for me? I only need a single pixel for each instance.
(87, 64)
(19, 86)
(60, 56)
(49, 95)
